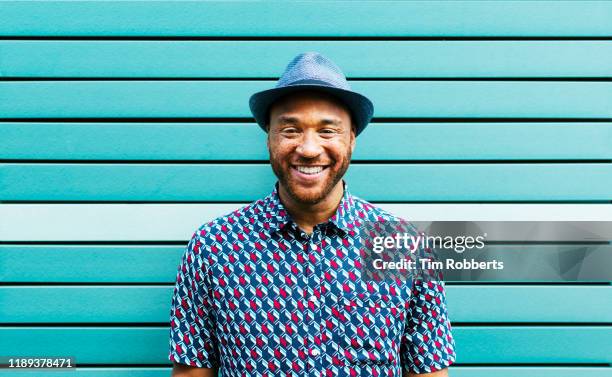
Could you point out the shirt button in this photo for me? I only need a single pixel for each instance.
(313, 299)
(314, 352)
(314, 247)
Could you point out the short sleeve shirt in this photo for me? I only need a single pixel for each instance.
(257, 296)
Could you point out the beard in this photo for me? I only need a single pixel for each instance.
(310, 196)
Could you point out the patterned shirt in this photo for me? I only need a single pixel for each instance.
(257, 296)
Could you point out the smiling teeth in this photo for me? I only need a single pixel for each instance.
(310, 169)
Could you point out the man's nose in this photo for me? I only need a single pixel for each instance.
(309, 146)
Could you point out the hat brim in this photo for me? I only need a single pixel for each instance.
(360, 106)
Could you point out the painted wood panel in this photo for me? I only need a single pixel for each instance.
(150, 304)
(146, 264)
(217, 99)
(389, 59)
(153, 222)
(246, 141)
(308, 18)
(477, 344)
(223, 182)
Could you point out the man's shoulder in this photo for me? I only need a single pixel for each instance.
(374, 214)
(239, 219)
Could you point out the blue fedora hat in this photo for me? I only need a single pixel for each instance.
(311, 70)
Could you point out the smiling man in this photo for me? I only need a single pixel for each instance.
(276, 287)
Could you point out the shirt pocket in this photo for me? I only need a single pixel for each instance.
(371, 327)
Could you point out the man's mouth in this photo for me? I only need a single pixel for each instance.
(310, 169)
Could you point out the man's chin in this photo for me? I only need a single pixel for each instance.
(308, 196)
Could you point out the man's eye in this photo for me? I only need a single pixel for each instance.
(328, 131)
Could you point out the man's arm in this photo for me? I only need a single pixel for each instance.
(193, 344)
(440, 373)
(182, 370)
(427, 344)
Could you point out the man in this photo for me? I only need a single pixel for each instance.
(275, 287)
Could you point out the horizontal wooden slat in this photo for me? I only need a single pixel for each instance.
(209, 141)
(475, 304)
(268, 58)
(545, 345)
(118, 222)
(149, 345)
(528, 303)
(83, 263)
(309, 18)
(86, 304)
(157, 264)
(205, 98)
(223, 182)
(176, 222)
(454, 371)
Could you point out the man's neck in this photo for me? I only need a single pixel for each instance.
(306, 216)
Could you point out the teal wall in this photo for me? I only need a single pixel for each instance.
(125, 125)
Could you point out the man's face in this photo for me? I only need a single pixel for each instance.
(310, 140)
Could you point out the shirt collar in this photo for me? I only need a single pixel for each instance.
(275, 216)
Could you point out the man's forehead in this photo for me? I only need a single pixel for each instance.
(296, 118)
(294, 106)
(304, 96)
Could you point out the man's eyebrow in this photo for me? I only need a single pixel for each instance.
(336, 122)
(287, 119)
(296, 120)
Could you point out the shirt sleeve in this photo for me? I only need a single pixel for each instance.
(428, 344)
(192, 331)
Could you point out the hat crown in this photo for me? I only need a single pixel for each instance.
(313, 68)
(312, 71)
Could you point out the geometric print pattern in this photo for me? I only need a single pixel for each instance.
(257, 296)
